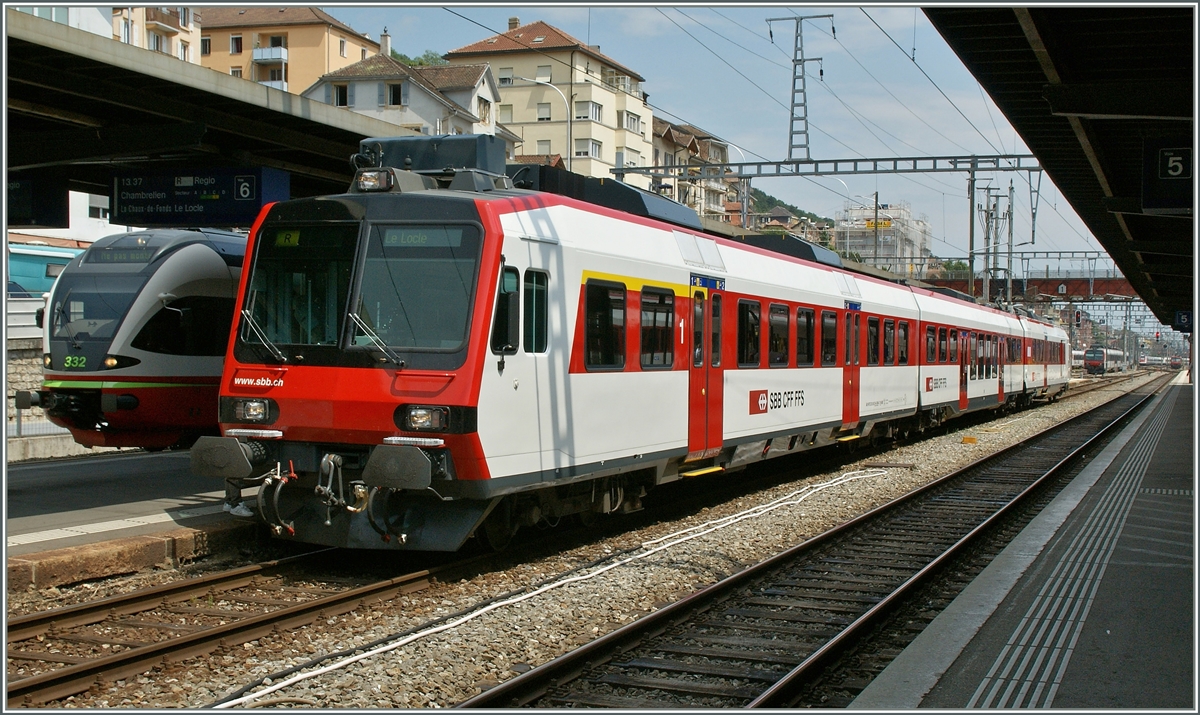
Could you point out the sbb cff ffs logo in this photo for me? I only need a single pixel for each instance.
(936, 383)
(763, 401)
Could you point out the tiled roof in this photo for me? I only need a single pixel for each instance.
(523, 39)
(376, 66)
(449, 78)
(548, 159)
(250, 16)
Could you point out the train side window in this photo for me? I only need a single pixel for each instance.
(777, 340)
(889, 342)
(857, 341)
(698, 329)
(902, 344)
(805, 345)
(192, 325)
(930, 352)
(716, 331)
(828, 338)
(506, 328)
(872, 341)
(605, 326)
(658, 318)
(943, 347)
(749, 333)
(953, 346)
(537, 313)
(848, 338)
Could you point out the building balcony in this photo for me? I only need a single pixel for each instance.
(160, 20)
(274, 84)
(269, 55)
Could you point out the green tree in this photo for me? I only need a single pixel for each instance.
(762, 202)
(960, 266)
(428, 59)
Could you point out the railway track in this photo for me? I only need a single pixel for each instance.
(58, 653)
(65, 651)
(759, 638)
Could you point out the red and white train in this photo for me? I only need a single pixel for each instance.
(434, 355)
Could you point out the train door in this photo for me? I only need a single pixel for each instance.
(850, 369)
(963, 356)
(706, 381)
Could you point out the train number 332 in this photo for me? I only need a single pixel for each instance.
(75, 361)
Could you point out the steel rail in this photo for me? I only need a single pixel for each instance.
(532, 685)
(78, 678)
(29, 626)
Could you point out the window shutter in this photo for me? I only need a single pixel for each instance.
(328, 93)
(382, 94)
(350, 95)
(404, 93)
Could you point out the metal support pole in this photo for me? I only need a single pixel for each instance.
(971, 235)
(1010, 239)
(875, 259)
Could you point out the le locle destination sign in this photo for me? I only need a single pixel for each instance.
(188, 197)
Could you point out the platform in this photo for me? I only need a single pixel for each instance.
(69, 520)
(1092, 606)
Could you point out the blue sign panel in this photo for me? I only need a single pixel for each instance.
(852, 305)
(699, 281)
(1183, 321)
(188, 197)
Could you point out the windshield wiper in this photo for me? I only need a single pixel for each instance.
(66, 323)
(376, 339)
(275, 351)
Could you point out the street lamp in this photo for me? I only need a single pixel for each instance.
(570, 146)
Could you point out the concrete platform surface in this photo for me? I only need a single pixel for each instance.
(1091, 606)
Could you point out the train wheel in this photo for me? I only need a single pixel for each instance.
(498, 529)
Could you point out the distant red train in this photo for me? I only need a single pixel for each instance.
(437, 354)
(1099, 360)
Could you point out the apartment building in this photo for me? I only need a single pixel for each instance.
(89, 19)
(561, 96)
(281, 47)
(447, 99)
(173, 31)
(704, 188)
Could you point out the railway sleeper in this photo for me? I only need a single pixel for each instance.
(717, 671)
(678, 685)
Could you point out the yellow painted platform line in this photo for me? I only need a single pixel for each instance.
(698, 472)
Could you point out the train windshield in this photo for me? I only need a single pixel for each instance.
(417, 285)
(1094, 354)
(300, 284)
(90, 308)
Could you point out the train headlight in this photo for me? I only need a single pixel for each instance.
(427, 419)
(374, 180)
(250, 410)
(46, 360)
(112, 362)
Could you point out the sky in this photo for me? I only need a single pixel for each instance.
(719, 68)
